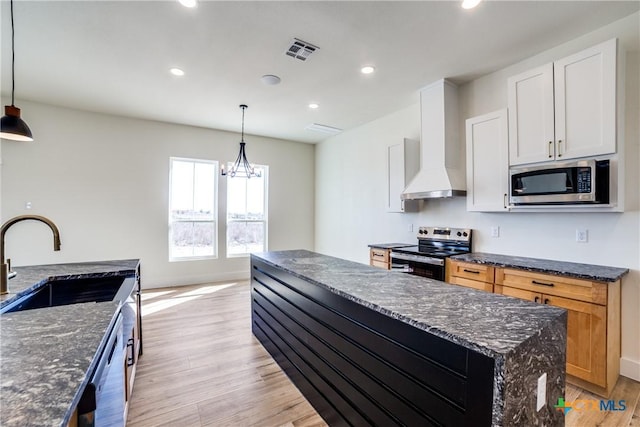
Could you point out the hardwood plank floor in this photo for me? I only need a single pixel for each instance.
(203, 367)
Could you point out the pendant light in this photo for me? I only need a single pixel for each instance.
(11, 125)
(241, 167)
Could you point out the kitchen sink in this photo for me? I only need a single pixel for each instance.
(73, 291)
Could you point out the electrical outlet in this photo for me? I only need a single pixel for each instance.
(410, 228)
(582, 235)
(27, 205)
(495, 231)
(542, 392)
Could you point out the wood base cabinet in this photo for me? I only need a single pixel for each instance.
(476, 276)
(593, 322)
(379, 257)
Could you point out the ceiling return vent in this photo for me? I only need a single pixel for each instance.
(300, 49)
(317, 127)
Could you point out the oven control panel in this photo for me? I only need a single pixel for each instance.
(445, 233)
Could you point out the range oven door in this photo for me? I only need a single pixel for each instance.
(417, 265)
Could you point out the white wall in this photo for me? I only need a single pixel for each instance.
(104, 181)
(350, 180)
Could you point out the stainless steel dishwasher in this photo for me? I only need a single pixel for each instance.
(102, 402)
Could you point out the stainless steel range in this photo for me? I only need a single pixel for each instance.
(435, 244)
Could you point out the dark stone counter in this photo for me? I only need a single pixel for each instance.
(598, 273)
(523, 339)
(47, 355)
(33, 277)
(391, 245)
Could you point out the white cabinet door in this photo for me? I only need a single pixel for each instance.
(487, 162)
(403, 162)
(566, 109)
(585, 102)
(531, 130)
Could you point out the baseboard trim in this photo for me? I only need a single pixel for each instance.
(195, 280)
(630, 368)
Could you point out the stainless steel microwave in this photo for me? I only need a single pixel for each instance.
(576, 182)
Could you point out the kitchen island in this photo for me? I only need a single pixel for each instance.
(48, 355)
(373, 347)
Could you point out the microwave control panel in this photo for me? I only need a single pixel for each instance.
(584, 180)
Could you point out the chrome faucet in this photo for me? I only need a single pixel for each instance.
(5, 268)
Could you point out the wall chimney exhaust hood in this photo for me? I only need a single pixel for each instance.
(442, 169)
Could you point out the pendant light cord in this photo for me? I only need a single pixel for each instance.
(244, 107)
(13, 59)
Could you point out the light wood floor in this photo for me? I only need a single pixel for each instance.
(203, 367)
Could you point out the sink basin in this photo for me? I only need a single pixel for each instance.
(73, 291)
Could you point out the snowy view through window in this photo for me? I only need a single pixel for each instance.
(192, 211)
(247, 213)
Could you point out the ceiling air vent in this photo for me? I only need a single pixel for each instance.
(323, 128)
(300, 49)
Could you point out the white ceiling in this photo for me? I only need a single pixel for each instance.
(114, 56)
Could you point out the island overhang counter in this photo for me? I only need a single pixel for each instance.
(372, 347)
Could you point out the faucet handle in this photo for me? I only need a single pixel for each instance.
(8, 264)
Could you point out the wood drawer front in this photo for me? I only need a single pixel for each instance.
(577, 289)
(380, 264)
(477, 272)
(474, 284)
(380, 255)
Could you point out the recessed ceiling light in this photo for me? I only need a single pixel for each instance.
(177, 72)
(188, 3)
(367, 69)
(313, 105)
(470, 4)
(270, 79)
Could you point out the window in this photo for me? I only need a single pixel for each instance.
(192, 209)
(247, 213)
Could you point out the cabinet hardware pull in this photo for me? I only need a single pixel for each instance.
(559, 153)
(504, 200)
(550, 147)
(542, 283)
(378, 255)
(546, 300)
(471, 271)
(130, 358)
(536, 299)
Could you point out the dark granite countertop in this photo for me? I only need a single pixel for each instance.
(391, 245)
(597, 273)
(489, 323)
(33, 277)
(47, 356)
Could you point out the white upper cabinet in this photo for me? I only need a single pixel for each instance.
(487, 162)
(531, 130)
(578, 95)
(403, 162)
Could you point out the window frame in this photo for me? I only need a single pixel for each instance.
(214, 219)
(265, 177)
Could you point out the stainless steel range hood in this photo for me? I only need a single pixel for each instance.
(442, 154)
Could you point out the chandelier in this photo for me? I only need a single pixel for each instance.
(241, 167)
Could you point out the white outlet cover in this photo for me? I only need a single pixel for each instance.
(582, 235)
(542, 392)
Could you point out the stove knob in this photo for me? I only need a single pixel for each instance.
(465, 234)
(420, 231)
(459, 234)
(426, 231)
